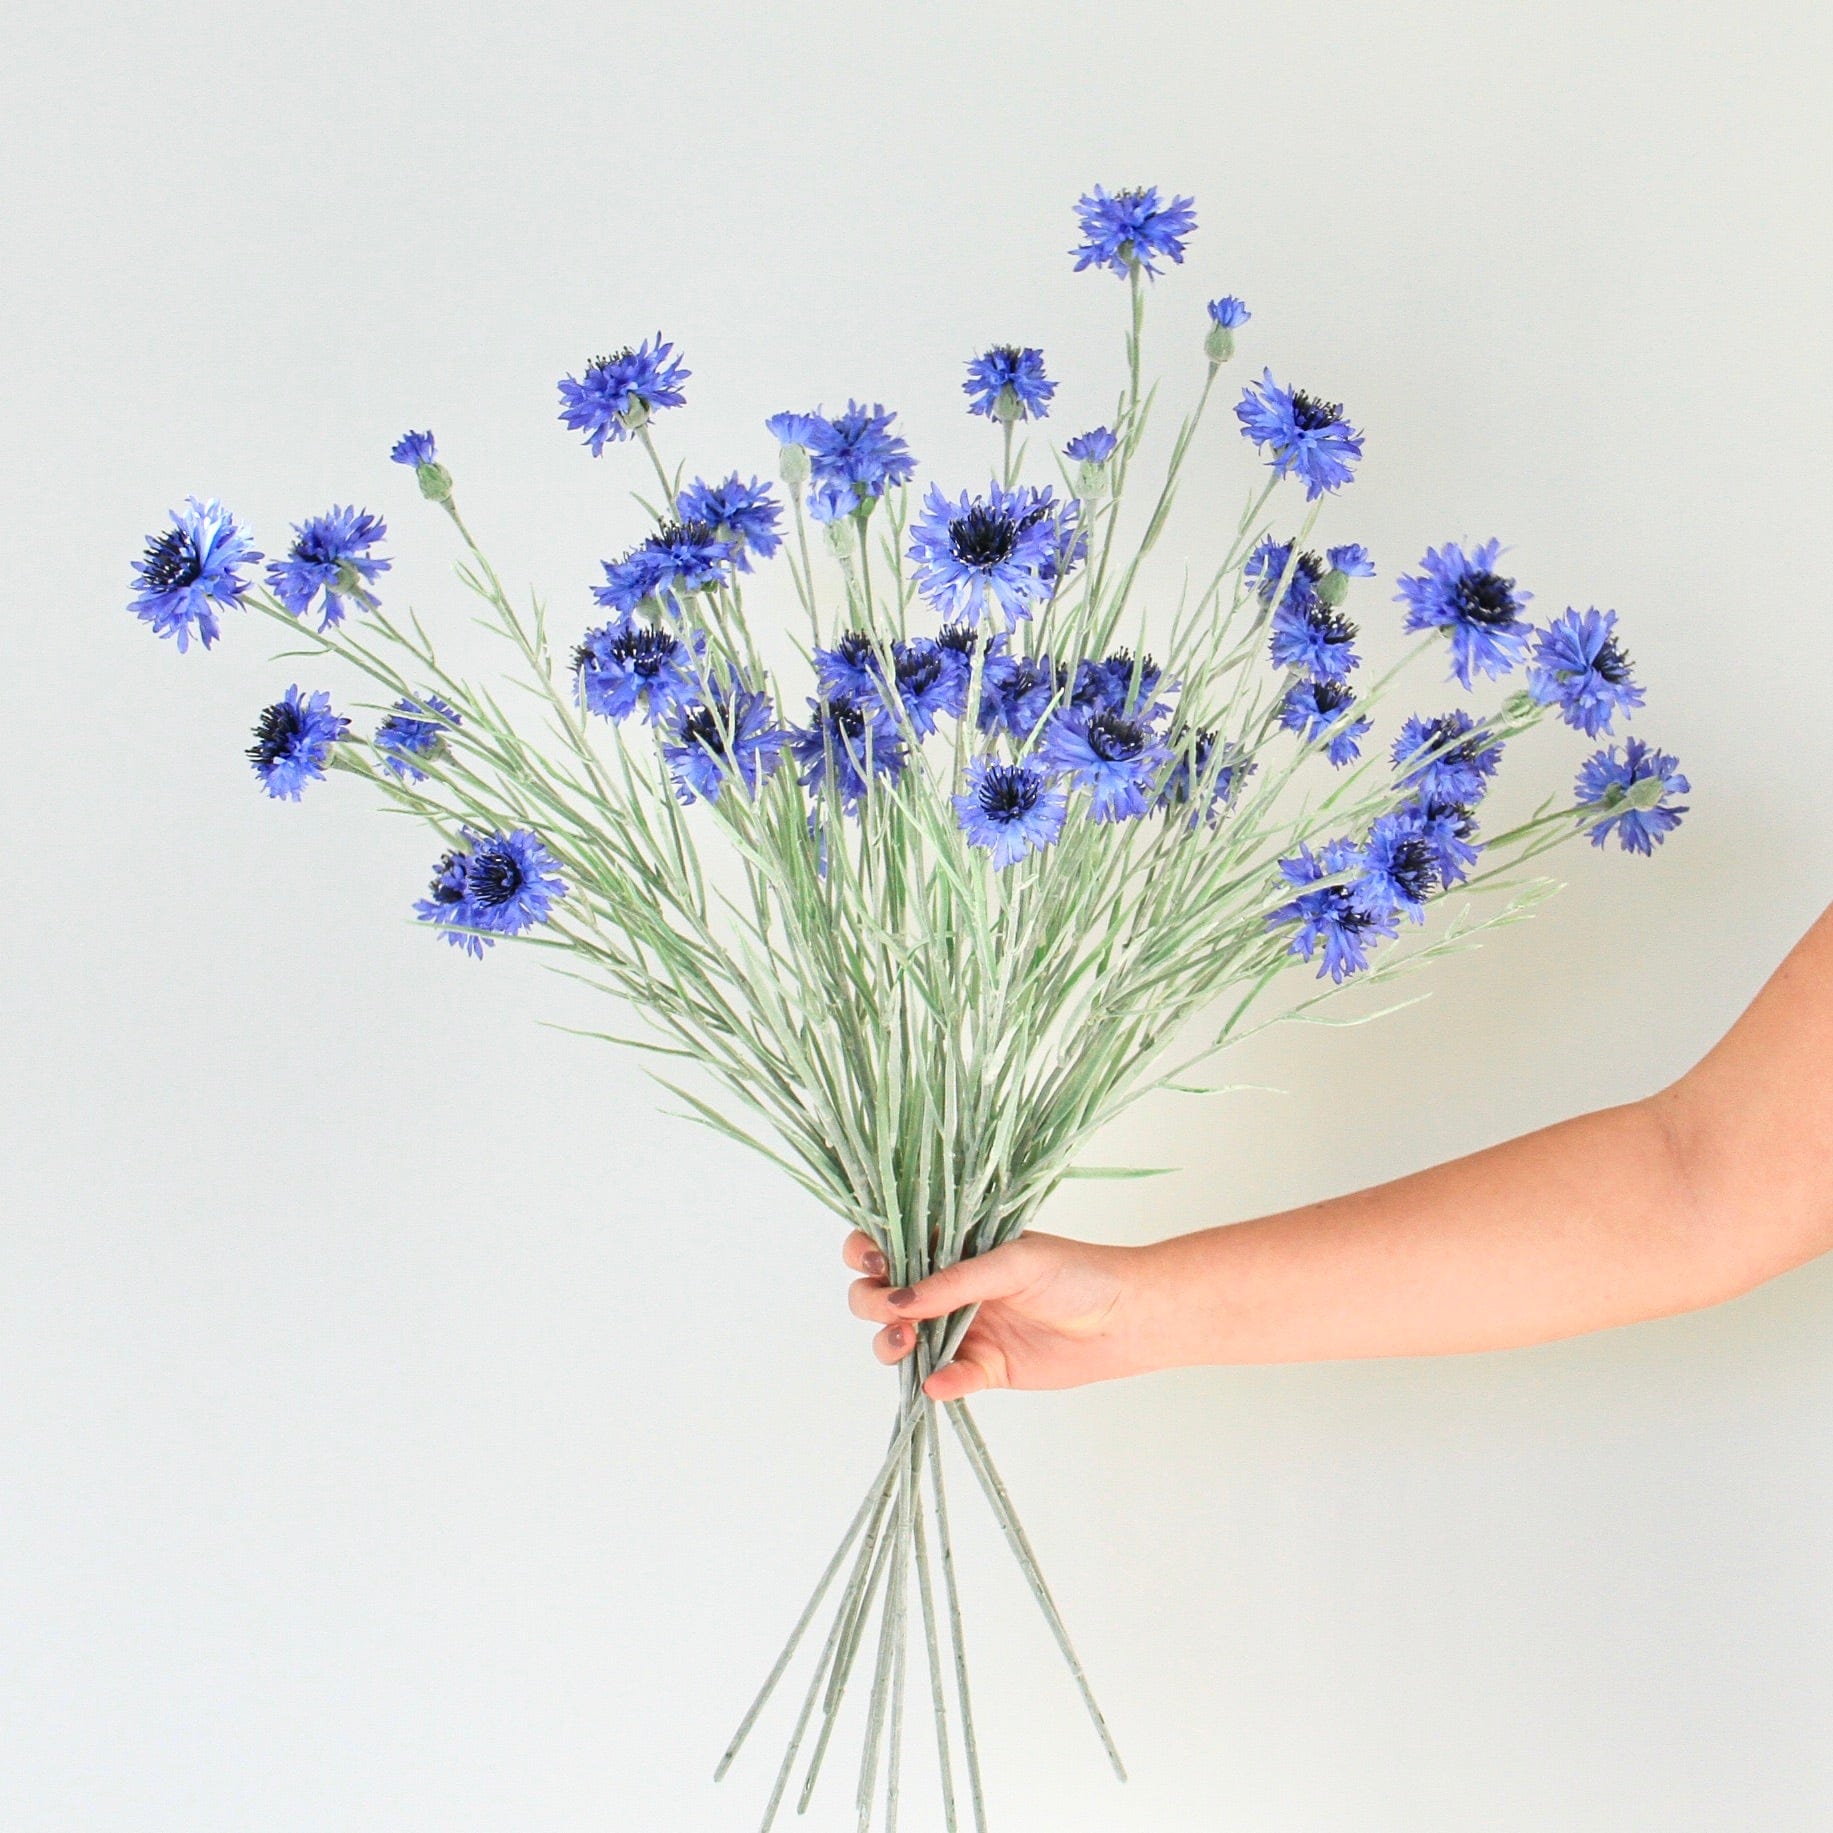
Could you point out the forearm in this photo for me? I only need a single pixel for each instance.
(1591, 1223)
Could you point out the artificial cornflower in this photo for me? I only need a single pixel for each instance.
(848, 741)
(743, 515)
(927, 683)
(1316, 709)
(1348, 562)
(330, 554)
(1016, 692)
(1464, 594)
(1008, 384)
(1398, 869)
(293, 740)
(421, 455)
(189, 570)
(1579, 666)
(729, 735)
(511, 883)
(416, 728)
(1302, 436)
(1036, 503)
(1117, 759)
(1447, 759)
(794, 434)
(1313, 638)
(627, 665)
(1128, 230)
(1120, 683)
(956, 644)
(1449, 829)
(1226, 316)
(1632, 795)
(1266, 567)
(618, 394)
(831, 501)
(445, 903)
(982, 555)
(1195, 763)
(859, 448)
(1094, 447)
(1009, 810)
(850, 667)
(1327, 914)
(679, 557)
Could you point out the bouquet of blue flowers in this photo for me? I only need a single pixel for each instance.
(918, 943)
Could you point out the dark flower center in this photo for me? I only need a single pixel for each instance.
(707, 729)
(918, 670)
(1114, 738)
(683, 534)
(277, 731)
(1412, 870)
(983, 537)
(448, 886)
(1331, 697)
(1331, 628)
(172, 561)
(1485, 598)
(845, 718)
(958, 639)
(605, 362)
(1610, 663)
(645, 650)
(1008, 792)
(1311, 415)
(855, 649)
(494, 877)
(1343, 912)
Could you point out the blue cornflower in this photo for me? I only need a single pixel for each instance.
(955, 644)
(1302, 436)
(985, 553)
(619, 393)
(1351, 560)
(1115, 758)
(416, 728)
(1016, 692)
(831, 501)
(1008, 384)
(928, 683)
(1194, 763)
(415, 450)
(512, 882)
(850, 667)
(1229, 314)
(191, 568)
(848, 741)
(1462, 593)
(743, 515)
(731, 734)
(859, 448)
(1120, 683)
(678, 557)
(1130, 228)
(1266, 567)
(1398, 869)
(627, 665)
(1036, 503)
(445, 903)
(1579, 664)
(1443, 761)
(1329, 918)
(330, 554)
(1094, 447)
(1632, 795)
(1316, 708)
(1449, 830)
(293, 740)
(1010, 810)
(1314, 638)
(795, 429)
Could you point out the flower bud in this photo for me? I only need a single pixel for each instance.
(1219, 345)
(1007, 408)
(1333, 588)
(792, 464)
(1091, 481)
(435, 482)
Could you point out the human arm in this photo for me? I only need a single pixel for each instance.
(1667, 1204)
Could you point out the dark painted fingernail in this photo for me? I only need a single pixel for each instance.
(898, 1336)
(901, 1297)
(875, 1264)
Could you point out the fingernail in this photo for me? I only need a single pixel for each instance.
(876, 1264)
(898, 1336)
(903, 1296)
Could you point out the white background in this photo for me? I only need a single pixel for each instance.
(403, 1426)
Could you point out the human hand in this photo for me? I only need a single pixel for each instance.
(1053, 1313)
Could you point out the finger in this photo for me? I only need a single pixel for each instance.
(1004, 1271)
(962, 1377)
(866, 1298)
(894, 1342)
(862, 1256)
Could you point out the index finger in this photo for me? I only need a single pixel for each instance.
(860, 1253)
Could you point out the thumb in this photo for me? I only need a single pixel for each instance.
(997, 1274)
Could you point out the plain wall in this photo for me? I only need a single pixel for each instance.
(403, 1425)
